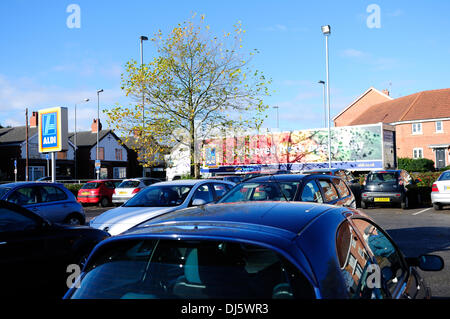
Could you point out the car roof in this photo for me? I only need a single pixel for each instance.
(285, 219)
(280, 178)
(191, 182)
(17, 184)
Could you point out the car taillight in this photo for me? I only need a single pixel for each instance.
(136, 190)
(434, 188)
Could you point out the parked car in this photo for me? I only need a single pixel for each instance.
(52, 201)
(254, 250)
(392, 187)
(346, 175)
(293, 187)
(57, 178)
(130, 187)
(440, 191)
(98, 192)
(159, 199)
(35, 253)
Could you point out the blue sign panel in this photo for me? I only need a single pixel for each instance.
(49, 130)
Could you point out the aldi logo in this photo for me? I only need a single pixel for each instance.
(52, 130)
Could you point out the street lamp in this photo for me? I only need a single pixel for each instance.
(278, 122)
(324, 104)
(98, 128)
(326, 30)
(75, 137)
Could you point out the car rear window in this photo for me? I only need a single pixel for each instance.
(128, 184)
(90, 186)
(167, 269)
(444, 176)
(382, 177)
(264, 191)
(3, 191)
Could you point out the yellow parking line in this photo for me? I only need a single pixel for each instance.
(424, 210)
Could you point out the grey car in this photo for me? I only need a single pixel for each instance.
(52, 201)
(158, 199)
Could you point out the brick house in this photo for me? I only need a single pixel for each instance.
(421, 120)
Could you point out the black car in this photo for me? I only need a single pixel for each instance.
(346, 175)
(35, 253)
(325, 189)
(392, 187)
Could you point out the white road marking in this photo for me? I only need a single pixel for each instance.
(424, 210)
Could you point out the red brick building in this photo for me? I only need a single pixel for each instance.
(421, 120)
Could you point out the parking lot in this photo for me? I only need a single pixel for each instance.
(417, 231)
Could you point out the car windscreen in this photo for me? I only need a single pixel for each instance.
(168, 268)
(444, 176)
(128, 184)
(160, 196)
(90, 186)
(261, 191)
(382, 177)
(4, 190)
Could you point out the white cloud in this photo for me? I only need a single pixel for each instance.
(352, 53)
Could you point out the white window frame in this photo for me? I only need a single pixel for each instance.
(119, 172)
(442, 127)
(418, 151)
(416, 128)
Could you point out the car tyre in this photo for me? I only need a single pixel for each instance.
(437, 206)
(73, 219)
(363, 205)
(104, 202)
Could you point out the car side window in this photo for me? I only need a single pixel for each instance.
(342, 188)
(388, 258)
(329, 190)
(355, 261)
(220, 189)
(13, 221)
(52, 194)
(109, 185)
(203, 192)
(311, 193)
(341, 174)
(24, 196)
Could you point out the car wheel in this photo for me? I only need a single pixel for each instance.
(437, 206)
(104, 202)
(73, 220)
(363, 205)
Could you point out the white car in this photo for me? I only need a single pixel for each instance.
(130, 187)
(440, 191)
(157, 199)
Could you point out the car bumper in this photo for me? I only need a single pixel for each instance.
(441, 198)
(91, 199)
(120, 199)
(381, 198)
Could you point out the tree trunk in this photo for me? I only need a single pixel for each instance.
(194, 167)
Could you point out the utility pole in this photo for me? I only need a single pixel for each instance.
(26, 145)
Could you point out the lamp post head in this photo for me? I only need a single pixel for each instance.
(86, 100)
(99, 91)
(143, 38)
(326, 29)
(321, 82)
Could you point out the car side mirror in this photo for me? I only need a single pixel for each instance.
(427, 262)
(198, 202)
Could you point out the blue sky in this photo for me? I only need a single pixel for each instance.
(44, 63)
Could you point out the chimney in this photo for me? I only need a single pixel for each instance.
(386, 91)
(94, 126)
(34, 119)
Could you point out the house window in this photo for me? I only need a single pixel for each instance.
(417, 128)
(119, 154)
(120, 172)
(61, 155)
(418, 153)
(101, 153)
(439, 127)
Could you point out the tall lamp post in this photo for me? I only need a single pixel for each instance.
(142, 39)
(278, 122)
(98, 129)
(326, 30)
(75, 137)
(324, 104)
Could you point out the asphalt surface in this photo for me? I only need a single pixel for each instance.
(416, 231)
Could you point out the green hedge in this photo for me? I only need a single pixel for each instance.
(416, 165)
(74, 188)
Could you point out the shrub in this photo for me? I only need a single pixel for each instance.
(416, 165)
(74, 188)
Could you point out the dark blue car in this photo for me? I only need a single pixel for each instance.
(254, 250)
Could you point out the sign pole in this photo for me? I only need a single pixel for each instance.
(53, 167)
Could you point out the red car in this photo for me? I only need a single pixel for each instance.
(97, 192)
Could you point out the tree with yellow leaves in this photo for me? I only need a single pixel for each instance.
(198, 83)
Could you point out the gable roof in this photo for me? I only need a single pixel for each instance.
(424, 105)
(14, 135)
(371, 89)
(87, 138)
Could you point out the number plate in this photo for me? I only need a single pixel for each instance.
(122, 193)
(381, 199)
(85, 193)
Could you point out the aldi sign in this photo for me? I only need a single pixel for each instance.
(52, 128)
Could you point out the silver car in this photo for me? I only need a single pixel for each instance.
(157, 199)
(440, 191)
(52, 201)
(130, 187)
